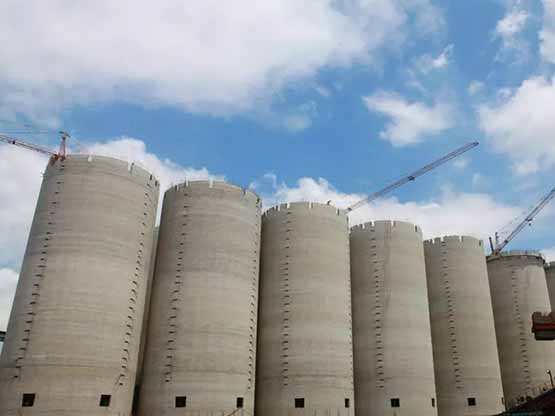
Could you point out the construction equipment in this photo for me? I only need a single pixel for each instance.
(412, 177)
(499, 247)
(54, 156)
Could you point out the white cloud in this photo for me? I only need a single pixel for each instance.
(475, 214)
(410, 122)
(21, 171)
(549, 254)
(427, 63)
(509, 30)
(521, 125)
(475, 87)
(444, 58)
(8, 283)
(207, 56)
(512, 24)
(134, 150)
(547, 34)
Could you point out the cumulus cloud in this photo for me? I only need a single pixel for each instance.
(205, 56)
(451, 213)
(547, 34)
(409, 122)
(521, 125)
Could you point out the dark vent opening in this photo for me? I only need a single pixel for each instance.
(347, 403)
(181, 401)
(28, 400)
(433, 402)
(396, 402)
(299, 403)
(240, 402)
(105, 400)
(472, 401)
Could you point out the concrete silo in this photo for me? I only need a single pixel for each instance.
(201, 347)
(550, 276)
(74, 331)
(518, 289)
(305, 340)
(468, 377)
(394, 371)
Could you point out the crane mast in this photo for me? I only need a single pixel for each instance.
(498, 248)
(413, 176)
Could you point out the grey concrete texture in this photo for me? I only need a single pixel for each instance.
(74, 329)
(550, 278)
(518, 289)
(391, 322)
(463, 331)
(305, 334)
(203, 317)
(146, 314)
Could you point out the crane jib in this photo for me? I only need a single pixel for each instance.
(413, 176)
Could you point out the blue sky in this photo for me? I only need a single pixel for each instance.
(299, 100)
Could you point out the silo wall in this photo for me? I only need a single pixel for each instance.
(305, 339)
(75, 326)
(550, 278)
(468, 376)
(391, 322)
(201, 348)
(518, 289)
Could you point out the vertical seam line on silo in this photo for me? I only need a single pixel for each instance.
(286, 304)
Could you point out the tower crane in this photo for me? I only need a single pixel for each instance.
(498, 247)
(54, 156)
(414, 175)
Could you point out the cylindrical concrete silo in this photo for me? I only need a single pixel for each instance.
(518, 289)
(550, 276)
(468, 377)
(394, 371)
(305, 339)
(74, 331)
(201, 347)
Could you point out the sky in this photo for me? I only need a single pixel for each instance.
(315, 101)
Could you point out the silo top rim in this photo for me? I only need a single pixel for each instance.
(130, 166)
(391, 223)
(305, 205)
(518, 253)
(452, 238)
(213, 185)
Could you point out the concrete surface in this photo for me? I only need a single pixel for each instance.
(74, 330)
(146, 314)
(518, 289)
(391, 321)
(463, 331)
(203, 318)
(550, 276)
(305, 337)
